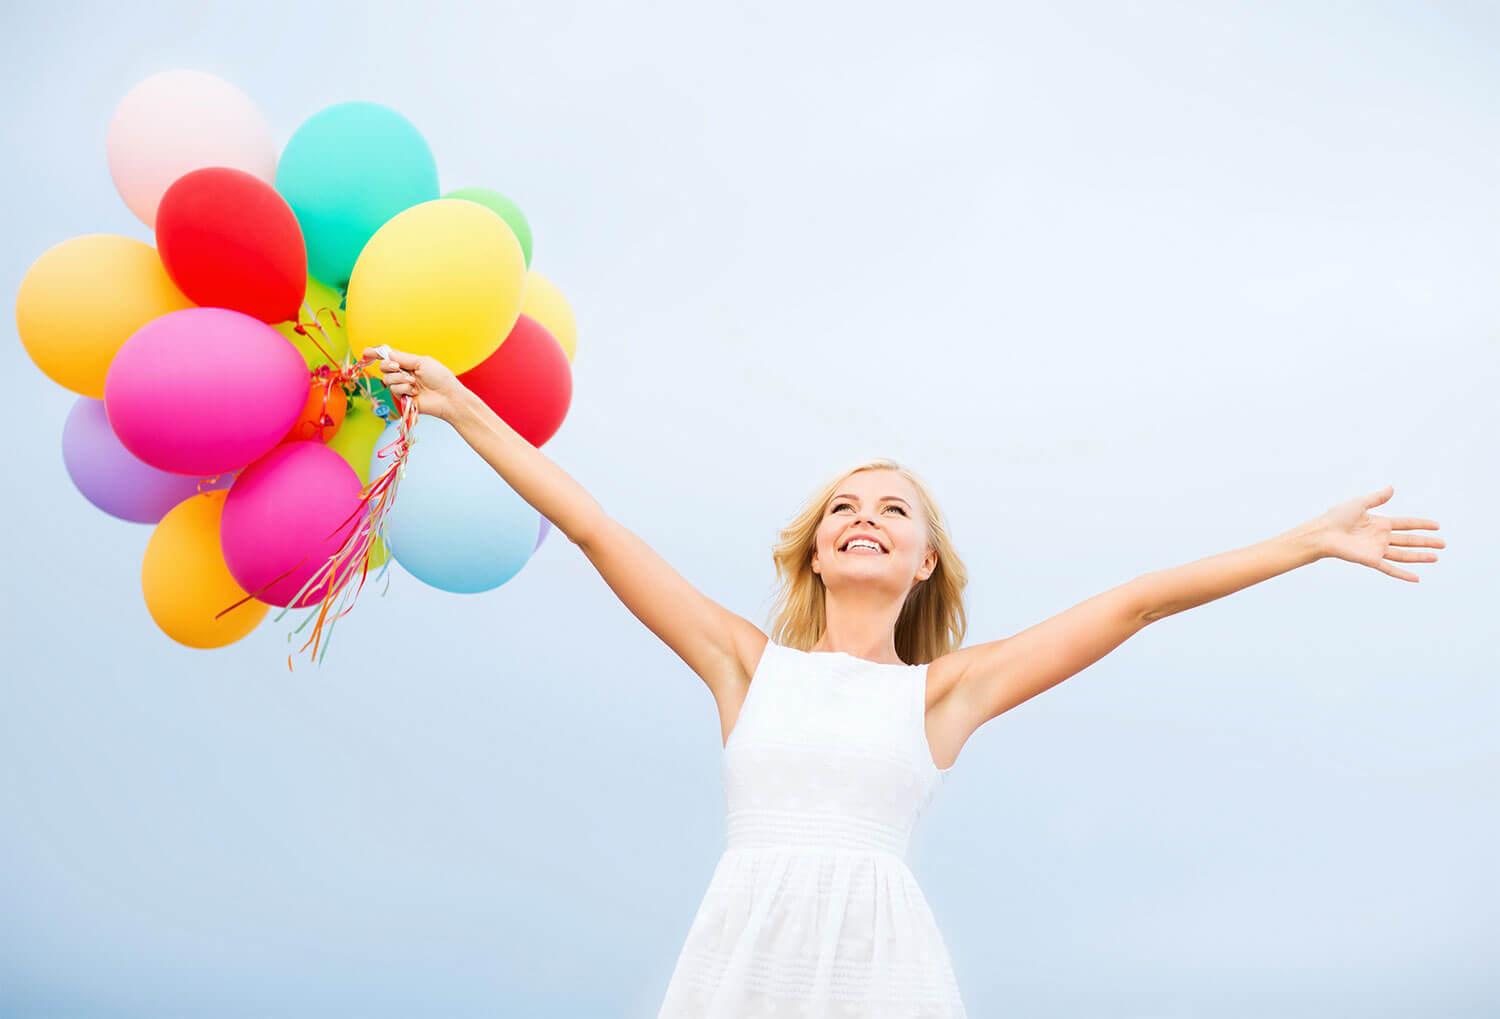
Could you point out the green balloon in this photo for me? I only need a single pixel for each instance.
(345, 171)
(505, 209)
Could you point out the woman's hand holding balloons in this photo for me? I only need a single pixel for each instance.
(425, 379)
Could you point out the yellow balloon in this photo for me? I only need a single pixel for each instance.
(323, 303)
(83, 299)
(545, 303)
(443, 278)
(185, 579)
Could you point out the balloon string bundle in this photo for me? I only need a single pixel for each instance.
(336, 575)
(375, 504)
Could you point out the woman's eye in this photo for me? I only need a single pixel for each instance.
(842, 505)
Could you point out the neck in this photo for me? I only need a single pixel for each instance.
(870, 638)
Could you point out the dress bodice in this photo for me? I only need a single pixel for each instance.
(829, 750)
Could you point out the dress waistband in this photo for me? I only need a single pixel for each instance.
(772, 829)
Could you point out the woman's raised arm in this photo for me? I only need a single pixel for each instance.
(991, 678)
(714, 642)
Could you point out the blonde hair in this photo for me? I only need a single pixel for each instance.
(932, 620)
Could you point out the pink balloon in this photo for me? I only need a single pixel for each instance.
(285, 515)
(178, 121)
(204, 390)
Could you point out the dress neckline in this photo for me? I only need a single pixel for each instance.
(866, 661)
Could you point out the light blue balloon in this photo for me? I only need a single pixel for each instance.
(346, 170)
(455, 523)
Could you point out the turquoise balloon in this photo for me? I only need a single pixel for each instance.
(346, 170)
(455, 524)
(505, 209)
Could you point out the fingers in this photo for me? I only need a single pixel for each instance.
(397, 370)
(1399, 555)
(400, 358)
(1417, 540)
(1399, 574)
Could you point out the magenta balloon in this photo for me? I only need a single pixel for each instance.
(204, 390)
(112, 478)
(281, 515)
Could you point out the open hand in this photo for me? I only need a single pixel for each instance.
(425, 379)
(1348, 532)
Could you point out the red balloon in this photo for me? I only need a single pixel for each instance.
(228, 240)
(527, 381)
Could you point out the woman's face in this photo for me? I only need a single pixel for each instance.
(882, 505)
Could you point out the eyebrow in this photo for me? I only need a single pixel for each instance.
(883, 498)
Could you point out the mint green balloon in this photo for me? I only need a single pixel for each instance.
(345, 171)
(505, 209)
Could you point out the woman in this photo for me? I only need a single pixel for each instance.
(837, 732)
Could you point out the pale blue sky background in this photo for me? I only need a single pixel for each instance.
(1129, 285)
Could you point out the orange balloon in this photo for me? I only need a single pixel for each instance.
(82, 299)
(186, 581)
(321, 416)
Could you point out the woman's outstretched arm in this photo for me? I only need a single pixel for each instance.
(1345, 532)
(985, 680)
(713, 641)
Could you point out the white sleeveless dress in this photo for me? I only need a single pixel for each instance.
(812, 910)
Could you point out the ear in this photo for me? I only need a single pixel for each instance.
(929, 564)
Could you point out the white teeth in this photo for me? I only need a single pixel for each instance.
(862, 543)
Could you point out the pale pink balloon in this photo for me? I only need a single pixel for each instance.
(177, 121)
(286, 514)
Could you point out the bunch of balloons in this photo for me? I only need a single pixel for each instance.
(218, 396)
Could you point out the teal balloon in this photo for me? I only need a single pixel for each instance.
(454, 523)
(345, 171)
(505, 209)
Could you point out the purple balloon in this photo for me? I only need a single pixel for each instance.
(113, 478)
(542, 533)
(204, 390)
